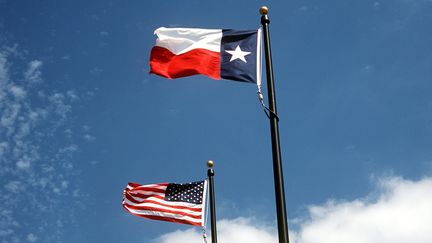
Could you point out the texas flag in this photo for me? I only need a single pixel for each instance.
(216, 53)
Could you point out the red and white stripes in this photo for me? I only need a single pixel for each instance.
(148, 201)
(180, 52)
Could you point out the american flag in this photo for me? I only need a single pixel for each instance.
(180, 203)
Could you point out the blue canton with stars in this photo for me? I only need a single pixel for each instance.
(188, 192)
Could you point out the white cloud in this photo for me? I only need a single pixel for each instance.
(64, 184)
(3, 148)
(14, 186)
(96, 71)
(5, 232)
(398, 211)
(17, 92)
(89, 137)
(368, 68)
(239, 230)
(68, 149)
(66, 57)
(32, 238)
(23, 164)
(9, 115)
(72, 94)
(33, 73)
(86, 128)
(189, 235)
(3, 75)
(376, 5)
(59, 102)
(68, 132)
(245, 230)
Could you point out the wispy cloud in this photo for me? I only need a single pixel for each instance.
(32, 238)
(33, 73)
(35, 157)
(397, 211)
(87, 136)
(14, 186)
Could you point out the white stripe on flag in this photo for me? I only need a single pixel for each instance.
(144, 193)
(163, 214)
(164, 202)
(182, 40)
(162, 207)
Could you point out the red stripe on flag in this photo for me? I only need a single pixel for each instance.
(144, 196)
(130, 198)
(197, 209)
(155, 209)
(173, 208)
(197, 61)
(133, 184)
(181, 221)
(137, 186)
(134, 200)
(137, 190)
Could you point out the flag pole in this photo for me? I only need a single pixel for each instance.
(274, 127)
(210, 174)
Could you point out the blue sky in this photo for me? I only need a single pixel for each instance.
(80, 117)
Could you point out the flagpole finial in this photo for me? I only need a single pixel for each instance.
(263, 10)
(210, 163)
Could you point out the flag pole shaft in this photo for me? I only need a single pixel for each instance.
(274, 127)
(210, 174)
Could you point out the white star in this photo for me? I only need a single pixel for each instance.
(238, 54)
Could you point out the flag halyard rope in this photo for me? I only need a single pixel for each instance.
(269, 113)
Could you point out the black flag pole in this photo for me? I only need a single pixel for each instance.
(210, 174)
(274, 127)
